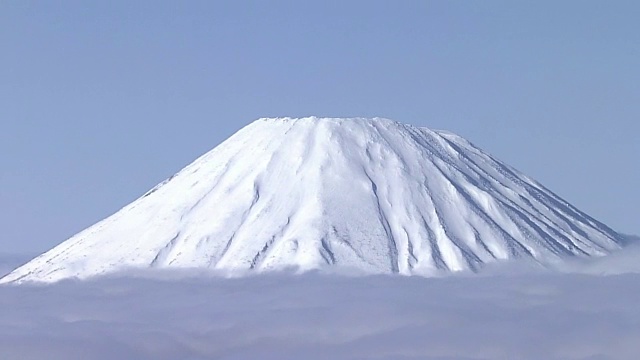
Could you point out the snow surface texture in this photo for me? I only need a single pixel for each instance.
(529, 317)
(367, 194)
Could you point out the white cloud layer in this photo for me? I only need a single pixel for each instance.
(534, 316)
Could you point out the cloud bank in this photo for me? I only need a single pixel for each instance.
(535, 316)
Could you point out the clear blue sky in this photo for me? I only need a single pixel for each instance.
(101, 100)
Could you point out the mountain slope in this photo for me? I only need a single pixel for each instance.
(370, 194)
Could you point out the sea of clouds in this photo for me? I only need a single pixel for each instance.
(504, 314)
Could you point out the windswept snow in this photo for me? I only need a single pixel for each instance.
(367, 194)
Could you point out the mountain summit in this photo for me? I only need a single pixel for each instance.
(369, 194)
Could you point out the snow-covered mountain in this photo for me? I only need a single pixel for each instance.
(369, 194)
(8, 262)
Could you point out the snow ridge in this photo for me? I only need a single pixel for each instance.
(309, 193)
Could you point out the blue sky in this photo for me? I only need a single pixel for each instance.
(99, 101)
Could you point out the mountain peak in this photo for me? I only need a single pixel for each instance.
(326, 119)
(309, 193)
